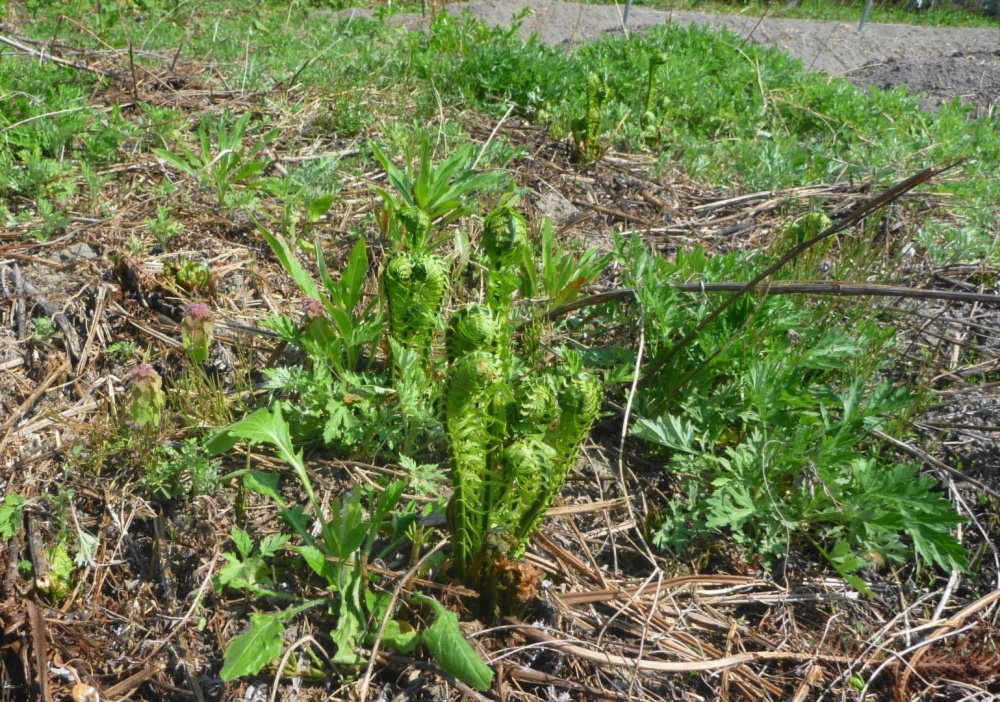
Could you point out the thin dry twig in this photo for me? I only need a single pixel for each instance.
(612, 661)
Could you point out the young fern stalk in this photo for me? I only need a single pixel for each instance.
(505, 237)
(648, 114)
(588, 130)
(474, 378)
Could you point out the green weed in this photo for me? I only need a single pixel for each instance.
(182, 471)
(764, 422)
(227, 164)
(163, 227)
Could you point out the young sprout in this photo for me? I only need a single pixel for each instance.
(196, 332)
(148, 399)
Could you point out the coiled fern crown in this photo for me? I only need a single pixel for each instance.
(415, 286)
(473, 327)
(534, 408)
(505, 232)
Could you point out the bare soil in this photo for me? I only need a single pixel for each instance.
(942, 63)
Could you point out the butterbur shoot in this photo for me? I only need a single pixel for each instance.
(196, 332)
(148, 399)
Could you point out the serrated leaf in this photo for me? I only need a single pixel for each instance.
(456, 656)
(272, 543)
(670, 431)
(239, 573)
(243, 542)
(249, 652)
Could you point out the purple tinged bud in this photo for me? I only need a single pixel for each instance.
(196, 331)
(314, 310)
(148, 399)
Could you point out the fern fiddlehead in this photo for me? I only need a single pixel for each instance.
(414, 286)
(505, 231)
(472, 381)
(579, 404)
(473, 327)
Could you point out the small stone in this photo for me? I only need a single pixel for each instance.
(77, 252)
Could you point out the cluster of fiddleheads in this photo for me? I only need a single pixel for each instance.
(512, 433)
(511, 441)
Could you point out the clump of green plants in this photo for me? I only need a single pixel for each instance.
(508, 419)
(163, 227)
(335, 548)
(183, 470)
(226, 165)
(765, 424)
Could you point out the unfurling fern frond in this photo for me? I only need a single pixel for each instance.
(472, 382)
(534, 408)
(414, 285)
(472, 328)
(505, 232)
(417, 223)
(579, 404)
(525, 470)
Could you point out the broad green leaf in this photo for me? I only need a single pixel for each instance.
(263, 426)
(352, 280)
(350, 624)
(177, 162)
(319, 207)
(398, 179)
(291, 264)
(342, 321)
(456, 656)
(251, 651)
(569, 293)
(262, 483)
(399, 636)
(387, 500)
(332, 287)
(11, 516)
(317, 560)
(247, 171)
